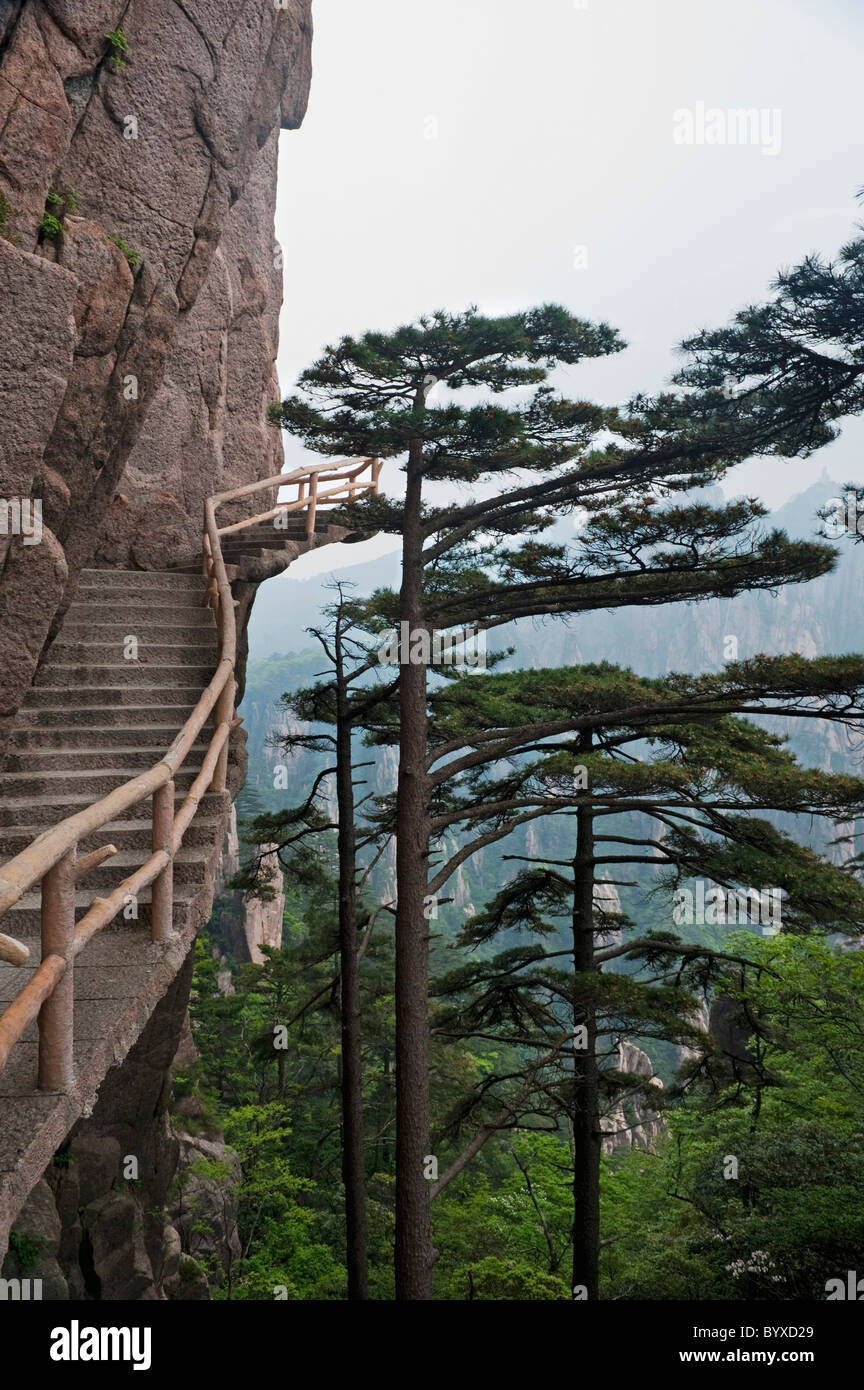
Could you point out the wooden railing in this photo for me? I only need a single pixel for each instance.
(52, 861)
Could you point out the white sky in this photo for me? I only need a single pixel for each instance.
(460, 153)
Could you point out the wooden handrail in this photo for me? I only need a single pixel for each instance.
(50, 859)
(13, 952)
(283, 508)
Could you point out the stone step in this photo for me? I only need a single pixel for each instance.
(268, 538)
(190, 866)
(24, 918)
(33, 798)
(201, 651)
(269, 533)
(256, 548)
(70, 677)
(96, 780)
(103, 598)
(122, 736)
(132, 831)
(193, 631)
(129, 580)
(180, 612)
(136, 757)
(42, 710)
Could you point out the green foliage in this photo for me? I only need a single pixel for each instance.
(503, 1230)
(792, 1218)
(132, 256)
(118, 50)
(57, 205)
(671, 776)
(50, 227)
(27, 1248)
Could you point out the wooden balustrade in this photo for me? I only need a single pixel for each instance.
(56, 1029)
(52, 859)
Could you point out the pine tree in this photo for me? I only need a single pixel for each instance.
(780, 376)
(667, 752)
(542, 457)
(338, 704)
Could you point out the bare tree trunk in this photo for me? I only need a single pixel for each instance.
(585, 1105)
(414, 1257)
(351, 1081)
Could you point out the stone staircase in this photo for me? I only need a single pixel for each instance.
(136, 653)
(93, 719)
(260, 551)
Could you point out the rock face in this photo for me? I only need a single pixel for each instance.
(140, 285)
(134, 377)
(98, 1225)
(242, 928)
(632, 1123)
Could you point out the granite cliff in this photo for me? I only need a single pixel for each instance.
(140, 286)
(139, 279)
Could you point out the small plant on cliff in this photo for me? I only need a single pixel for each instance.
(50, 227)
(132, 256)
(6, 212)
(118, 50)
(27, 1249)
(62, 203)
(57, 205)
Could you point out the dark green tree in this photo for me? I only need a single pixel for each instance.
(781, 375)
(536, 459)
(334, 707)
(647, 773)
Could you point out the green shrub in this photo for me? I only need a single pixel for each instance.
(119, 49)
(132, 256)
(27, 1249)
(51, 227)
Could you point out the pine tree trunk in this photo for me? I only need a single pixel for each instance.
(353, 1154)
(413, 1216)
(585, 1106)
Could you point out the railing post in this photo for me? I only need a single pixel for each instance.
(311, 509)
(56, 1017)
(162, 892)
(224, 715)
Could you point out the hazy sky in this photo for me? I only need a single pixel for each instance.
(505, 153)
